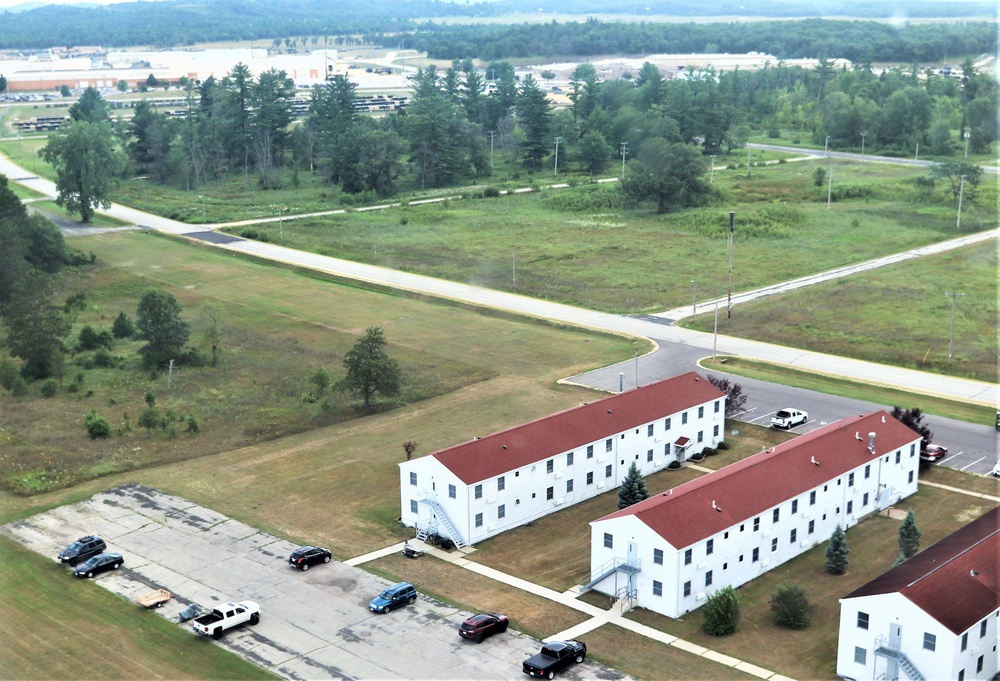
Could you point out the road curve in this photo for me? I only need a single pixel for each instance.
(650, 327)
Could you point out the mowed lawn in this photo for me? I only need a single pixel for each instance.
(55, 626)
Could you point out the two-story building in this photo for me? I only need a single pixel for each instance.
(669, 552)
(488, 485)
(933, 616)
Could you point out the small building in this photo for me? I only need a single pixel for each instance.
(488, 485)
(933, 616)
(669, 552)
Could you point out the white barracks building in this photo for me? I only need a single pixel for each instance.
(667, 553)
(488, 485)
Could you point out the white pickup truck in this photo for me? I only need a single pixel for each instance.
(225, 617)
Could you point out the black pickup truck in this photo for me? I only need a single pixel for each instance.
(554, 657)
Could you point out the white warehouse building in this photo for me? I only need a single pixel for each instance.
(669, 552)
(932, 617)
(478, 489)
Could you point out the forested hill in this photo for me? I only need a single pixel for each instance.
(172, 23)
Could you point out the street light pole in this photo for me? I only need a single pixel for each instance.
(961, 189)
(826, 146)
(203, 218)
(624, 152)
(694, 297)
(711, 175)
(556, 169)
(863, 146)
(732, 226)
(492, 132)
(829, 187)
(951, 338)
(966, 135)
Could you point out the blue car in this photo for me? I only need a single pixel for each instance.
(394, 597)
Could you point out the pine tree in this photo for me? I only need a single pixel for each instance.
(909, 536)
(633, 488)
(836, 553)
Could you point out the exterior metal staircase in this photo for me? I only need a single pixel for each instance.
(904, 662)
(608, 569)
(440, 524)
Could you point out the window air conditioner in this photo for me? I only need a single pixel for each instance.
(491, 500)
(559, 501)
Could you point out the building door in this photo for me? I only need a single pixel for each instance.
(895, 635)
(633, 553)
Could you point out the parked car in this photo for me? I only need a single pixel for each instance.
(933, 453)
(789, 418)
(478, 627)
(82, 549)
(996, 469)
(553, 657)
(305, 556)
(394, 597)
(99, 563)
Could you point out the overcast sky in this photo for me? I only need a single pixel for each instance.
(7, 4)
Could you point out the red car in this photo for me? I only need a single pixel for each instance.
(934, 453)
(478, 627)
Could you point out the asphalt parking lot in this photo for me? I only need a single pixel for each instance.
(314, 625)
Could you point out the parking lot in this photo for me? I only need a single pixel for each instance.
(314, 624)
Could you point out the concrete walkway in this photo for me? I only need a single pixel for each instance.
(597, 617)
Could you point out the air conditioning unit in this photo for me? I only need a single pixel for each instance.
(700, 596)
(803, 543)
(491, 500)
(600, 485)
(559, 475)
(559, 501)
(766, 533)
(701, 565)
(765, 563)
(489, 528)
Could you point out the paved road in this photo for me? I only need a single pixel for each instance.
(866, 158)
(650, 327)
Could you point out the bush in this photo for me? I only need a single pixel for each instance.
(723, 446)
(722, 612)
(773, 133)
(709, 451)
(192, 424)
(20, 387)
(103, 358)
(50, 388)
(123, 326)
(8, 374)
(674, 465)
(97, 426)
(491, 193)
(791, 607)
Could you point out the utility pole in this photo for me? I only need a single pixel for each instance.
(732, 227)
(513, 267)
(557, 156)
(829, 188)
(863, 146)
(711, 174)
(637, 367)
(951, 337)
(826, 146)
(170, 366)
(492, 132)
(694, 297)
(961, 190)
(966, 135)
(715, 331)
(624, 152)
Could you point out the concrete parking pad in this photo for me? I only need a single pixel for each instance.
(314, 625)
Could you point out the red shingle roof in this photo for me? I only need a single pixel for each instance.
(546, 437)
(749, 487)
(955, 581)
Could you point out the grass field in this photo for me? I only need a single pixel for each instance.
(58, 627)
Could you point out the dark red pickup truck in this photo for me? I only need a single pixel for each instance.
(554, 657)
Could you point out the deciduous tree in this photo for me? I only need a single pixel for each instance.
(914, 419)
(370, 370)
(670, 174)
(790, 607)
(88, 163)
(158, 319)
(735, 399)
(35, 327)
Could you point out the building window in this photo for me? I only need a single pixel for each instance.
(687, 557)
(961, 675)
(812, 526)
(657, 588)
(590, 451)
(708, 578)
(850, 507)
(756, 523)
(756, 556)
(864, 499)
(607, 445)
(898, 455)
(413, 478)
(979, 664)
(413, 505)
(479, 491)
(793, 535)
(609, 541)
(549, 493)
(658, 556)
(590, 478)
(607, 471)
(501, 484)
(569, 485)
(666, 424)
(649, 456)
(909, 478)
(569, 459)
(868, 471)
(717, 403)
(501, 511)
(715, 431)
(451, 492)
(982, 629)
(850, 479)
(710, 547)
(913, 448)
(550, 466)
(701, 435)
(649, 430)
(701, 412)
(774, 545)
(795, 506)
(479, 520)
(775, 514)
(930, 642)
(862, 620)
(812, 498)
(687, 588)
(684, 418)
(965, 640)
(860, 655)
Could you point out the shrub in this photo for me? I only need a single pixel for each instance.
(49, 388)
(88, 338)
(150, 398)
(674, 465)
(722, 612)
(97, 426)
(723, 446)
(773, 133)
(192, 424)
(103, 358)
(77, 301)
(20, 387)
(123, 326)
(491, 193)
(8, 374)
(709, 451)
(791, 607)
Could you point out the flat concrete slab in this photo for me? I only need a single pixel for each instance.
(314, 625)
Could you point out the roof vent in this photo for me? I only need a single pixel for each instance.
(815, 462)
(505, 446)
(883, 418)
(609, 411)
(871, 442)
(973, 573)
(857, 436)
(717, 508)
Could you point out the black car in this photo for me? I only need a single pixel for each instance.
(99, 563)
(303, 557)
(82, 549)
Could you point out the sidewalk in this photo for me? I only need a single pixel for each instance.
(597, 616)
